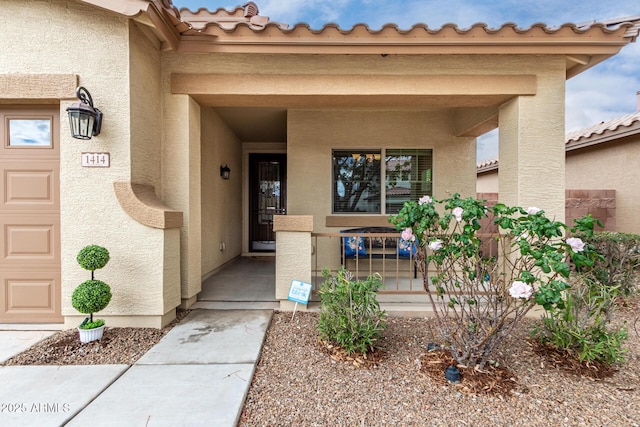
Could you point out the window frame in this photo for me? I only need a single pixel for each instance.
(383, 176)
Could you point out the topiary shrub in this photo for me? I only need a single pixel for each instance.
(93, 257)
(93, 295)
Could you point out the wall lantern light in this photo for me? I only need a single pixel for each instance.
(85, 121)
(225, 172)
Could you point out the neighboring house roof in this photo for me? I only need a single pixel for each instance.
(398, 191)
(617, 128)
(487, 165)
(602, 132)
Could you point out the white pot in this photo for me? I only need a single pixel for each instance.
(88, 335)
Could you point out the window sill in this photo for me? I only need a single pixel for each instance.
(357, 221)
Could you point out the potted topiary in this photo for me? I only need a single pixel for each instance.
(93, 295)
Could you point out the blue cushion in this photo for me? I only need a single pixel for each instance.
(405, 248)
(353, 245)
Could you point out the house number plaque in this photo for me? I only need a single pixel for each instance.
(95, 160)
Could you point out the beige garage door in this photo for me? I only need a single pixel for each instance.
(29, 215)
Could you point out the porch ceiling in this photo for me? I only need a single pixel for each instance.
(254, 124)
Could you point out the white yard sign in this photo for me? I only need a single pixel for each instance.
(299, 292)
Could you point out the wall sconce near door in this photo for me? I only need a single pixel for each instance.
(225, 172)
(85, 120)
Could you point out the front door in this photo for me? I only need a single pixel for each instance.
(267, 197)
(30, 215)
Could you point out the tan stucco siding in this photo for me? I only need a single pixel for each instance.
(90, 212)
(179, 62)
(221, 199)
(313, 134)
(146, 108)
(181, 182)
(531, 147)
(487, 182)
(610, 166)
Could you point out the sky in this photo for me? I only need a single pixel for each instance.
(604, 92)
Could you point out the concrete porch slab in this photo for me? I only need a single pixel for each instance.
(171, 395)
(212, 336)
(50, 395)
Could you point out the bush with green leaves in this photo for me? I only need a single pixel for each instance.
(620, 260)
(350, 315)
(86, 324)
(482, 282)
(93, 257)
(92, 295)
(581, 327)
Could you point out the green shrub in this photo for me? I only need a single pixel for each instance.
(350, 315)
(620, 260)
(482, 282)
(93, 257)
(91, 325)
(91, 296)
(582, 325)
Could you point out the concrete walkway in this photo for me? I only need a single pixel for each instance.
(197, 375)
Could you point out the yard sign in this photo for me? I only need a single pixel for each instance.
(299, 292)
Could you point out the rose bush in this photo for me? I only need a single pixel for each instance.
(481, 283)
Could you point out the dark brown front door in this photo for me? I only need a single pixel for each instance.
(267, 197)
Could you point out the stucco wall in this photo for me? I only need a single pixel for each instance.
(487, 182)
(312, 135)
(221, 199)
(90, 213)
(532, 139)
(146, 108)
(610, 165)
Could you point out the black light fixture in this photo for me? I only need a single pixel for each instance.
(225, 172)
(85, 120)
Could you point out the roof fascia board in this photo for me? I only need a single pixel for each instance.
(123, 7)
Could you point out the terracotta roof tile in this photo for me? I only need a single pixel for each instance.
(601, 132)
(600, 128)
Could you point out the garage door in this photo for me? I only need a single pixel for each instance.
(30, 215)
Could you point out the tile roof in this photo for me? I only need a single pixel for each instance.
(247, 16)
(228, 20)
(592, 135)
(599, 129)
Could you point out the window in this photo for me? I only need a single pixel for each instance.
(358, 174)
(30, 133)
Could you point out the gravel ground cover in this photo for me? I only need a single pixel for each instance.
(298, 382)
(117, 346)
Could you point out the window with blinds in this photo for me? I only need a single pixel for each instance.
(408, 176)
(357, 178)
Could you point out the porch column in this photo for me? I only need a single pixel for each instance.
(293, 254)
(532, 152)
(181, 185)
